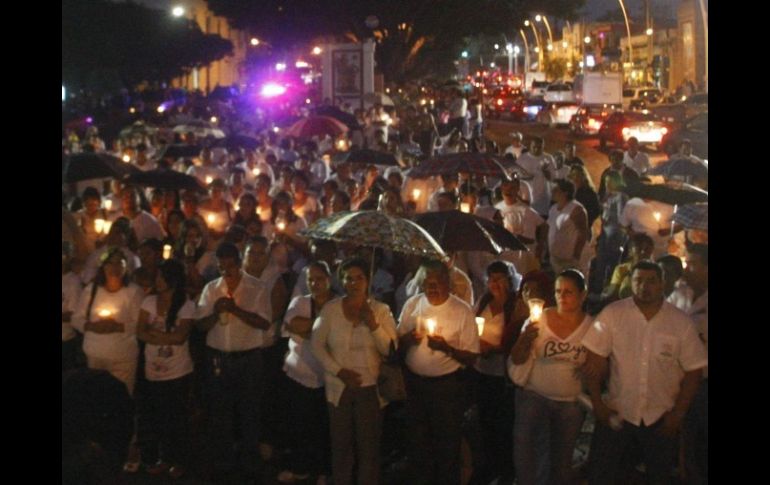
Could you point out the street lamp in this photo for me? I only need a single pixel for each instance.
(509, 50)
(177, 11)
(544, 19)
(648, 31)
(628, 30)
(526, 52)
(587, 39)
(538, 49)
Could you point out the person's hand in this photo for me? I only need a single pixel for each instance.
(351, 378)
(671, 424)
(437, 342)
(224, 304)
(603, 414)
(530, 333)
(367, 316)
(411, 338)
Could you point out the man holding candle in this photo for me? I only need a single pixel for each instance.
(656, 361)
(439, 337)
(144, 224)
(234, 310)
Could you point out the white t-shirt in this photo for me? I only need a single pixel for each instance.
(145, 225)
(554, 361)
(71, 287)
(562, 231)
(230, 333)
(640, 215)
(455, 322)
(640, 163)
(300, 364)
(520, 219)
(124, 306)
(493, 365)
(541, 189)
(206, 173)
(648, 359)
(167, 362)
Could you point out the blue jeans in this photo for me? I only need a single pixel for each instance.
(544, 436)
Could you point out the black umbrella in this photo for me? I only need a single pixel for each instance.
(86, 166)
(238, 141)
(669, 194)
(458, 231)
(180, 151)
(166, 179)
(334, 112)
(466, 162)
(365, 155)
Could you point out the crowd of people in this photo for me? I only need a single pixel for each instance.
(220, 317)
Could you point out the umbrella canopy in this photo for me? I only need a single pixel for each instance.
(179, 151)
(316, 126)
(238, 141)
(366, 155)
(458, 231)
(87, 166)
(376, 229)
(381, 98)
(670, 194)
(201, 129)
(693, 216)
(474, 163)
(334, 112)
(166, 179)
(138, 128)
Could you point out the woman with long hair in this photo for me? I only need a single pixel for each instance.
(191, 248)
(549, 355)
(165, 321)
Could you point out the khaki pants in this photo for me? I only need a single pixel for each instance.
(355, 426)
(124, 371)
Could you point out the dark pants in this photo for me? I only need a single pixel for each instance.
(608, 447)
(69, 352)
(234, 394)
(273, 405)
(495, 405)
(696, 437)
(435, 407)
(355, 427)
(163, 420)
(308, 428)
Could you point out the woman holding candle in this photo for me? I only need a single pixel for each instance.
(106, 314)
(350, 338)
(91, 217)
(285, 225)
(165, 321)
(495, 309)
(216, 211)
(549, 354)
(173, 227)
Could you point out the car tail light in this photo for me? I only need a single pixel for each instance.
(626, 131)
(594, 123)
(499, 102)
(664, 130)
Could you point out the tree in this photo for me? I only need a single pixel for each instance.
(415, 37)
(136, 42)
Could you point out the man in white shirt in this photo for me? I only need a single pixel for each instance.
(207, 171)
(656, 360)
(234, 310)
(635, 159)
(439, 337)
(540, 166)
(458, 113)
(449, 185)
(524, 223)
(144, 224)
(516, 147)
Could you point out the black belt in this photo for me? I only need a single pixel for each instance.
(452, 375)
(233, 355)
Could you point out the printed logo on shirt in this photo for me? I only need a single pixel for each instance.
(562, 350)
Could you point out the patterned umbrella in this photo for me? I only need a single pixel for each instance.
(474, 163)
(316, 126)
(376, 230)
(693, 216)
(201, 129)
(670, 194)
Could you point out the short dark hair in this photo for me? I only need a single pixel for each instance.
(575, 276)
(359, 263)
(228, 250)
(641, 238)
(499, 267)
(700, 250)
(153, 243)
(672, 262)
(433, 265)
(567, 187)
(648, 266)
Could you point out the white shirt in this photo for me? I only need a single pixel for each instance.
(455, 322)
(124, 307)
(167, 362)
(541, 189)
(300, 364)
(333, 338)
(71, 287)
(230, 333)
(515, 151)
(648, 359)
(458, 108)
(261, 167)
(640, 163)
(554, 359)
(640, 215)
(698, 310)
(520, 220)
(562, 230)
(204, 172)
(145, 225)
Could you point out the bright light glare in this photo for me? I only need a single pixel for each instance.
(270, 90)
(177, 11)
(316, 50)
(301, 64)
(280, 66)
(590, 61)
(254, 41)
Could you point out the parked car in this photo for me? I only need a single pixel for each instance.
(589, 119)
(538, 88)
(559, 92)
(622, 125)
(557, 113)
(695, 129)
(502, 101)
(641, 98)
(527, 109)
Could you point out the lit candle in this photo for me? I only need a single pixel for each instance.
(126, 158)
(209, 179)
(99, 226)
(465, 207)
(211, 218)
(416, 194)
(656, 215)
(108, 204)
(684, 262)
(259, 211)
(107, 227)
(480, 324)
(255, 171)
(535, 309)
(104, 313)
(281, 226)
(430, 323)
(166, 251)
